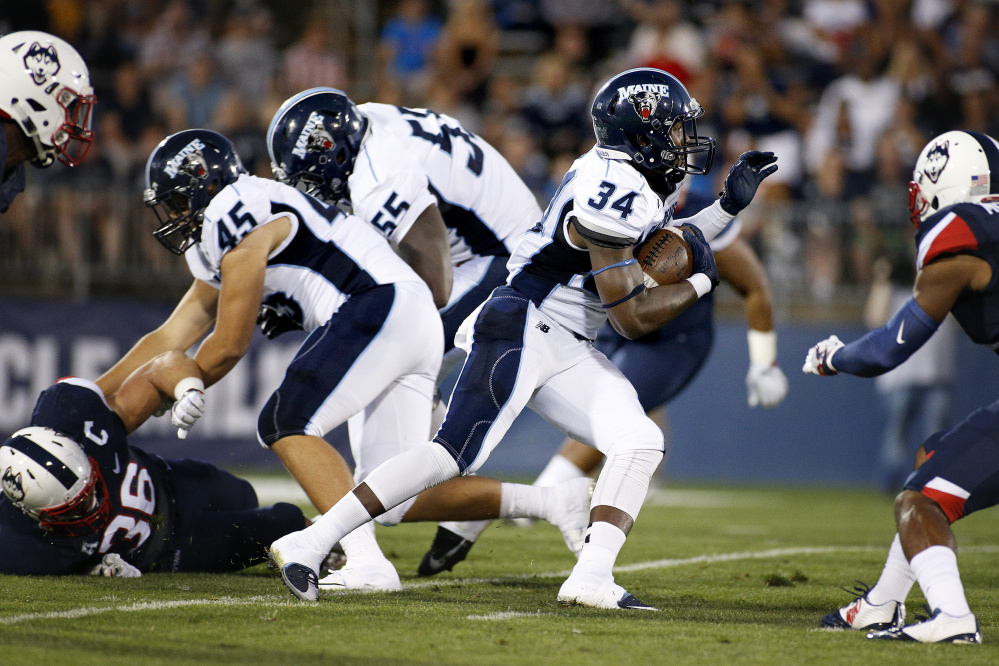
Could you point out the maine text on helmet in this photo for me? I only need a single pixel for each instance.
(302, 144)
(660, 88)
(174, 164)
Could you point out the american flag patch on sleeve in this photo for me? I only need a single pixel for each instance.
(979, 184)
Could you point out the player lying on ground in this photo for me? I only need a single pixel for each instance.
(78, 499)
(954, 203)
(659, 365)
(374, 340)
(530, 343)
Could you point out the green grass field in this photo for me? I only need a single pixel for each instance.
(742, 577)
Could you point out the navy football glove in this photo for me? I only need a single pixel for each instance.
(702, 260)
(274, 322)
(744, 178)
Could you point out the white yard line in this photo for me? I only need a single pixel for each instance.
(280, 600)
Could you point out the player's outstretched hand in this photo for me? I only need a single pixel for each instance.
(112, 566)
(744, 178)
(766, 385)
(702, 260)
(273, 322)
(818, 361)
(187, 411)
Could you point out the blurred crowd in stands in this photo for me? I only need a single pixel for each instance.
(846, 92)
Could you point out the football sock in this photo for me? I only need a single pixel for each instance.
(558, 469)
(938, 576)
(467, 529)
(360, 545)
(520, 501)
(896, 579)
(346, 516)
(600, 549)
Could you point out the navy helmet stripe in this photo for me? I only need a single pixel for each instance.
(40, 455)
(992, 154)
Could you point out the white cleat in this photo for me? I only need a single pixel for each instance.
(862, 614)
(298, 564)
(572, 512)
(369, 576)
(940, 628)
(603, 594)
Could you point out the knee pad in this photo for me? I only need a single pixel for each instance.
(394, 516)
(624, 480)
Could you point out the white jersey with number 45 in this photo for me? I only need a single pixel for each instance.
(412, 158)
(327, 256)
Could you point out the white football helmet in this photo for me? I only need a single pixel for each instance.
(955, 167)
(45, 88)
(48, 476)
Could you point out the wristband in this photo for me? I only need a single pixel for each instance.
(634, 292)
(626, 262)
(700, 282)
(185, 385)
(762, 347)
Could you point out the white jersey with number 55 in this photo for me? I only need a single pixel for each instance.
(412, 158)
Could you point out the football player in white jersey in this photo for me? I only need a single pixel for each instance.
(447, 199)
(374, 345)
(530, 342)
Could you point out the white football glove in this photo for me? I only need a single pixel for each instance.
(766, 385)
(818, 360)
(187, 410)
(112, 566)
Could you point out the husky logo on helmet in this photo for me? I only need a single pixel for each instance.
(936, 161)
(12, 486)
(313, 137)
(189, 160)
(42, 62)
(645, 102)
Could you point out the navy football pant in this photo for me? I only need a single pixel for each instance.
(218, 526)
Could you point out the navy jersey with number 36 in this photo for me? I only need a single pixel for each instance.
(140, 516)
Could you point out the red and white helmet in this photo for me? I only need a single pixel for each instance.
(50, 478)
(955, 167)
(45, 88)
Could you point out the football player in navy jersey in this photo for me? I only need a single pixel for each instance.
(659, 365)
(78, 499)
(954, 203)
(373, 348)
(45, 107)
(530, 343)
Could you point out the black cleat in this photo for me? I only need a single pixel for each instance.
(446, 551)
(301, 581)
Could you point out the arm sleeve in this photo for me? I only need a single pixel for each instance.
(889, 346)
(711, 220)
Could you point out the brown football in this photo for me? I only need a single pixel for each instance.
(664, 257)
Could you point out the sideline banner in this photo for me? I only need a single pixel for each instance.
(42, 341)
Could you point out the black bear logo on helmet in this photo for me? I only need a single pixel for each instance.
(645, 103)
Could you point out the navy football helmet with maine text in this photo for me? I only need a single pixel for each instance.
(50, 478)
(183, 173)
(313, 141)
(647, 116)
